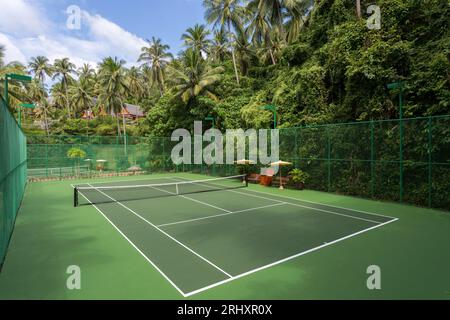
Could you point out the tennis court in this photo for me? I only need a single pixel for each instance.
(200, 234)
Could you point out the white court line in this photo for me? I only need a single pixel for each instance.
(166, 234)
(222, 214)
(316, 209)
(188, 198)
(327, 205)
(285, 259)
(138, 250)
(308, 201)
(302, 206)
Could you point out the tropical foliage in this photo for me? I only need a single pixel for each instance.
(317, 61)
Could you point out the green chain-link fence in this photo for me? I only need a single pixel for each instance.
(368, 159)
(13, 162)
(374, 160)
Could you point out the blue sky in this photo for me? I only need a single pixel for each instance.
(108, 27)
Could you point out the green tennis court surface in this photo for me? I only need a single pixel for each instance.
(186, 239)
(220, 235)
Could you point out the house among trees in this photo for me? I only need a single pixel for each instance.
(129, 111)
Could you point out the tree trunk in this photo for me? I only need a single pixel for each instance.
(234, 58)
(118, 126)
(272, 57)
(46, 122)
(358, 8)
(67, 100)
(124, 134)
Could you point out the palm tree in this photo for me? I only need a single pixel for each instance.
(135, 83)
(41, 67)
(80, 95)
(219, 44)
(157, 57)
(193, 77)
(295, 18)
(244, 51)
(226, 14)
(86, 72)
(15, 93)
(38, 95)
(272, 47)
(59, 99)
(113, 85)
(197, 38)
(63, 69)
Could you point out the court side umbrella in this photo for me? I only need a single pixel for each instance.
(134, 169)
(281, 164)
(245, 162)
(102, 162)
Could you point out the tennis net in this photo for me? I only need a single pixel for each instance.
(88, 194)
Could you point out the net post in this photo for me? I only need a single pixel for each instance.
(75, 197)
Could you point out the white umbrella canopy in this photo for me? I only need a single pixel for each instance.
(245, 161)
(102, 161)
(134, 168)
(281, 164)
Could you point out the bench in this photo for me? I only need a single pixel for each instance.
(254, 178)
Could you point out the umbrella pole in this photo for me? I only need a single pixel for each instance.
(281, 181)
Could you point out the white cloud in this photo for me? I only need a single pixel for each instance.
(115, 39)
(21, 17)
(36, 35)
(12, 52)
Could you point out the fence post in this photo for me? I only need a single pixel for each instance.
(329, 158)
(372, 159)
(401, 159)
(430, 159)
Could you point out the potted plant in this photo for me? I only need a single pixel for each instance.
(298, 178)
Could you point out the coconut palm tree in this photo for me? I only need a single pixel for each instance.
(157, 57)
(15, 92)
(80, 95)
(135, 83)
(41, 67)
(86, 72)
(193, 76)
(58, 94)
(244, 51)
(112, 81)
(226, 14)
(197, 38)
(273, 46)
(64, 69)
(296, 17)
(38, 95)
(219, 46)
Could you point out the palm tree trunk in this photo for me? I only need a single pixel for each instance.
(358, 8)
(118, 126)
(272, 57)
(234, 57)
(45, 121)
(67, 100)
(124, 133)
